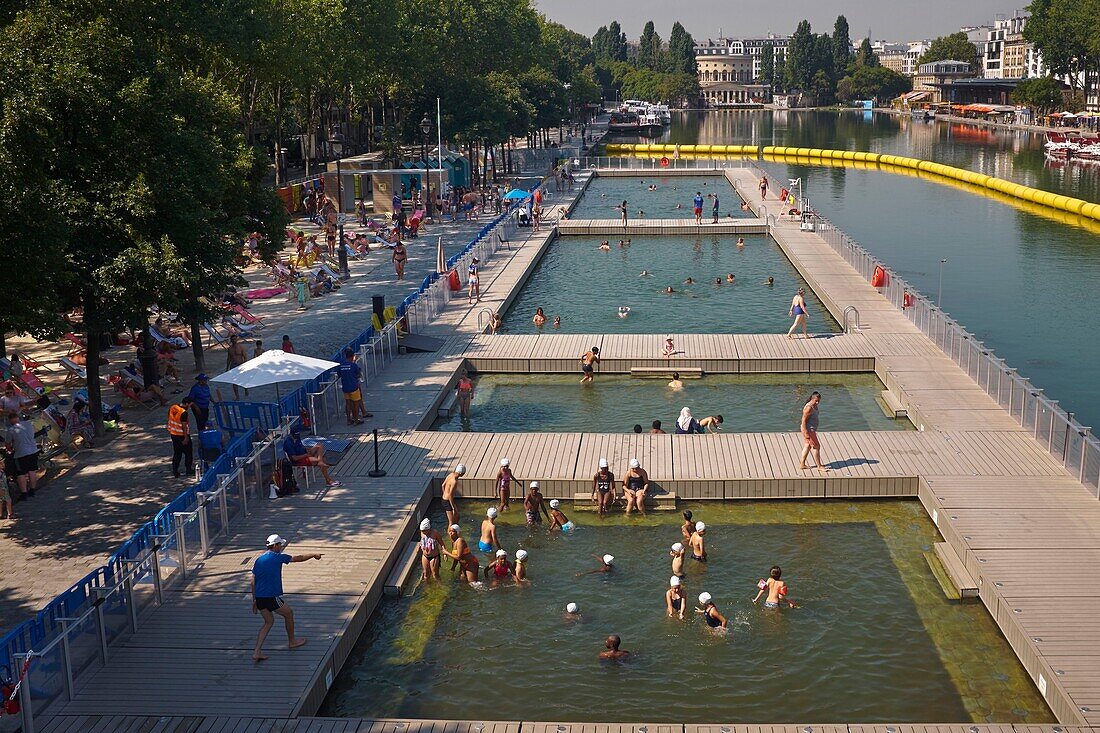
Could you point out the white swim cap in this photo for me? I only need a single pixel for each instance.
(608, 559)
(704, 598)
(521, 554)
(504, 461)
(634, 463)
(554, 503)
(572, 608)
(603, 463)
(426, 524)
(700, 527)
(460, 468)
(677, 546)
(502, 553)
(491, 512)
(456, 528)
(534, 484)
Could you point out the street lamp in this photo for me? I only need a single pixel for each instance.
(337, 143)
(939, 296)
(426, 129)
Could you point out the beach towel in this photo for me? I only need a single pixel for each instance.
(264, 293)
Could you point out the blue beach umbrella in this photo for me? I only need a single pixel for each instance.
(517, 193)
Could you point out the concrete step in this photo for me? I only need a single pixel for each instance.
(961, 580)
(582, 502)
(666, 372)
(406, 565)
(891, 405)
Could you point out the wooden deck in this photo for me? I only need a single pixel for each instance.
(638, 227)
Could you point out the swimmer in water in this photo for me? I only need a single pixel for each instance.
(698, 543)
(606, 566)
(622, 244)
(689, 281)
(613, 651)
(540, 317)
(641, 214)
(717, 281)
(431, 544)
(624, 311)
(488, 539)
(532, 504)
(605, 246)
(740, 241)
(729, 278)
(462, 556)
(572, 612)
(644, 273)
(678, 206)
(676, 383)
(675, 598)
(688, 526)
(655, 428)
(677, 553)
(669, 290)
(775, 588)
(499, 568)
(770, 281)
(709, 612)
(557, 321)
(520, 570)
(712, 423)
(558, 520)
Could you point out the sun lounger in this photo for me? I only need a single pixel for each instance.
(131, 395)
(247, 317)
(174, 341)
(216, 338)
(76, 373)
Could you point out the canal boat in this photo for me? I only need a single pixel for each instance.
(623, 123)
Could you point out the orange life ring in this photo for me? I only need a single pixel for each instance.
(878, 279)
(906, 300)
(453, 281)
(664, 162)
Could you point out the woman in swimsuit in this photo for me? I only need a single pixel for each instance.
(431, 543)
(709, 612)
(474, 281)
(504, 482)
(540, 317)
(675, 598)
(558, 520)
(400, 257)
(500, 568)
(462, 556)
(465, 391)
(635, 485)
(488, 539)
(798, 310)
(603, 488)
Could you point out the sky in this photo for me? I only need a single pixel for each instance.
(887, 19)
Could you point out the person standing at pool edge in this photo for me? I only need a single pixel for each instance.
(532, 504)
(763, 187)
(589, 359)
(430, 546)
(504, 480)
(465, 390)
(800, 313)
(624, 209)
(809, 432)
(714, 210)
(450, 491)
(488, 539)
(603, 488)
(697, 207)
(267, 591)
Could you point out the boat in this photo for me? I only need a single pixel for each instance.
(623, 123)
(922, 114)
(1072, 145)
(650, 125)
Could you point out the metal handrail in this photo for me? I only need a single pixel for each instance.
(480, 313)
(852, 310)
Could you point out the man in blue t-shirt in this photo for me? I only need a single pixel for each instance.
(697, 207)
(200, 396)
(349, 384)
(299, 455)
(267, 591)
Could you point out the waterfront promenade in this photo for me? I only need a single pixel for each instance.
(1009, 511)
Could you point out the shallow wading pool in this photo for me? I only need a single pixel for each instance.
(873, 639)
(607, 192)
(748, 403)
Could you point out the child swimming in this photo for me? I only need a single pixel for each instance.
(775, 588)
(558, 520)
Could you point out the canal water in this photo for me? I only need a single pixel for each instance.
(747, 403)
(873, 637)
(1022, 283)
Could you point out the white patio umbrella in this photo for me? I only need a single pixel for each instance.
(440, 257)
(274, 367)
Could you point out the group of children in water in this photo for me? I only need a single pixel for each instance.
(500, 568)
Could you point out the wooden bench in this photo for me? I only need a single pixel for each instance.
(961, 580)
(664, 501)
(685, 372)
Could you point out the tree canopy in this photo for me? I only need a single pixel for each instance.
(955, 47)
(1067, 35)
(1044, 94)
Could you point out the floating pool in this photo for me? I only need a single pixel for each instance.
(606, 192)
(873, 639)
(586, 286)
(749, 403)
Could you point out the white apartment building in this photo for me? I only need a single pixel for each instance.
(740, 56)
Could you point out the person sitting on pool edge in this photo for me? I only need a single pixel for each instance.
(775, 588)
(710, 613)
(558, 520)
(613, 651)
(488, 539)
(603, 488)
(635, 486)
(607, 565)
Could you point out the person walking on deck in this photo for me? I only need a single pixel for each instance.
(267, 592)
(697, 207)
(809, 433)
(450, 492)
(799, 312)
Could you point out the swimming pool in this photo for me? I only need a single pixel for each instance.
(748, 403)
(585, 286)
(873, 639)
(606, 192)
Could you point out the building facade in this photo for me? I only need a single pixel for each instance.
(934, 76)
(729, 70)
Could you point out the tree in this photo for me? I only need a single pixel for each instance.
(872, 82)
(1066, 35)
(767, 65)
(955, 47)
(842, 45)
(1044, 94)
(823, 69)
(800, 57)
(681, 51)
(866, 55)
(649, 48)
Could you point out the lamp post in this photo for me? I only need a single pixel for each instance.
(337, 143)
(426, 129)
(939, 295)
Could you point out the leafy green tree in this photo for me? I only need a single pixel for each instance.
(866, 55)
(823, 69)
(842, 44)
(681, 51)
(1044, 94)
(1067, 35)
(872, 82)
(649, 48)
(609, 43)
(955, 47)
(767, 65)
(800, 57)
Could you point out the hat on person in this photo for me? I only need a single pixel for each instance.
(502, 553)
(426, 524)
(608, 559)
(534, 484)
(295, 430)
(554, 503)
(491, 512)
(504, 461)
(456, 528)
(677, 546)
(634, 463)
(572, 608)
(704, 598)
(521, 554)
(460, 468)
(700, 527)
(603, 463)
(674, 581)
(274, 539)
(201, 377)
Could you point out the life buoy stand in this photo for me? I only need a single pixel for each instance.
(906, 300)
(664, 162)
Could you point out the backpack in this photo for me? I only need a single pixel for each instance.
(286, 481)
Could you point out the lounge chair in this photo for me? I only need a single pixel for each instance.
(76, 373)
(174, 341)
(31, 363)
(216, 338)
(131, 395)
(247, 317)
(77, 346)
(238, 327)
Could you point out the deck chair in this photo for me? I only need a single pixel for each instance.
(238, 327)
(247, 317)
(330, 271)
(131, 395)
(216, 338)
(133, 375)
(107, 409)
(75, 372)
(174, 341)
(76, 345)
(32, 363)
(352, 253)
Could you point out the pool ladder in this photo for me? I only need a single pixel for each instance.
(483, 326)
(854, 327)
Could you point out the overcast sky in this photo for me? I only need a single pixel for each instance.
(887, 19)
